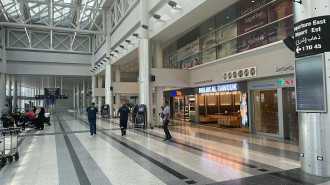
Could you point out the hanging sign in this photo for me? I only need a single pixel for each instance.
(312, 36)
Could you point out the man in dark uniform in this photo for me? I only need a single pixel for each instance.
(91, 114)
(124, 114)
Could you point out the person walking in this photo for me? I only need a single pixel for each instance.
(91, 114)
(5, 110)
(166, 121)
(40, 117)
(124, 114)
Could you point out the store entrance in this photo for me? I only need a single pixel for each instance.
(290, 116)
(266, 111)
(184, 108)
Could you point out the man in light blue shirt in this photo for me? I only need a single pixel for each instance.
(166, 120)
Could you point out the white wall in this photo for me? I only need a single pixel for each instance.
(30, 56)
(171, 77)
(100, 54)
(126, 87)
(44, 68)
(266, 60)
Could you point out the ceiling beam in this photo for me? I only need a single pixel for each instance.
(19, 25)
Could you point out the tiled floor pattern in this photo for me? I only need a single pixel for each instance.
(64, 153)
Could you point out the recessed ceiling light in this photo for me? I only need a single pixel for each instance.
(252, 1)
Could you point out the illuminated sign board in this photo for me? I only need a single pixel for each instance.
(177, 93)
(282, 81)
(218, 88)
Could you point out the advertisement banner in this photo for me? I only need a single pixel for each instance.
(188, 50)
(253, 21)
(189, 62)
(252, 40)
(246, 7)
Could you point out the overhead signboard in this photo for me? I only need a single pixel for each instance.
(52, 91)
(312, 36)
(218, 88)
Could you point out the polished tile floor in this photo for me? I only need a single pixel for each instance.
(64, 153)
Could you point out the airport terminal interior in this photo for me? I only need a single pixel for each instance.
(150, 92)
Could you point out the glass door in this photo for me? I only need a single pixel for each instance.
(290, 116)
(266, 111)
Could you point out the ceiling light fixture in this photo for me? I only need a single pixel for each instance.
(146, 27)
(158, 18)
(128, 41)
(112, 55)
(174, 5)
(121, 46)
(136, 35)
(297, 1)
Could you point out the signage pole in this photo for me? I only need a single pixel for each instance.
(312, 34)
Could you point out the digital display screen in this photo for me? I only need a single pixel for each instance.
(141, 109)
(310, 84)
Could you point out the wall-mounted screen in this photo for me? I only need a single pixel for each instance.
(310, 84)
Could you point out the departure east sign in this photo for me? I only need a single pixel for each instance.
(312, 36)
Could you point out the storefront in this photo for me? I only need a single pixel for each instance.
(273, 106)
(182, 103)
(224, 104)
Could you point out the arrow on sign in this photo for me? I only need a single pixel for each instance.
(298, 49)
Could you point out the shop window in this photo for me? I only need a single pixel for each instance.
(226, 103)
(189, 37)
(201, 105)
(212, 104)
(226, 16)
(280, 9)
(280, 30)
(208, 26)
(208, 41)
(208, 55)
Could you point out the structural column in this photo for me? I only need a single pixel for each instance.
(74, 97)
(314, 128)
(158, 90)
(144, 62)
(117, 77)
(10, 102)
(3, 72)
(19, 94)
(100, 97)
(108, 78)
(108, 91)
(84, 94)
(14, 91)
(78, 96)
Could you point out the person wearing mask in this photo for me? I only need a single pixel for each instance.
(166, 120)
(124, 114)
(91, 114)
(5, 110)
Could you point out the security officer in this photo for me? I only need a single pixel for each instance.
(124, 114)
(91, 114)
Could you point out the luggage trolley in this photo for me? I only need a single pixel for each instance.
(105, 111)
(3, 159)
(10, 145)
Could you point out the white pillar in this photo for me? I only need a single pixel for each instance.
(78, 96)
(99, 103)
(144, 62)
(117, 78)
(14, 91)
(108, 84)
(159, 97)
(10, 102)
(84, 94)
(314, 128)
(4, 71)
(74, 97)
(19, 93)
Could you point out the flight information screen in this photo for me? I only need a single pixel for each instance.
(310, 84)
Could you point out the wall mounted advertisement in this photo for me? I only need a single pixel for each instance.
(189, 62)
(244, 110)
(188, 50)
(250, 22)
(310, 84)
